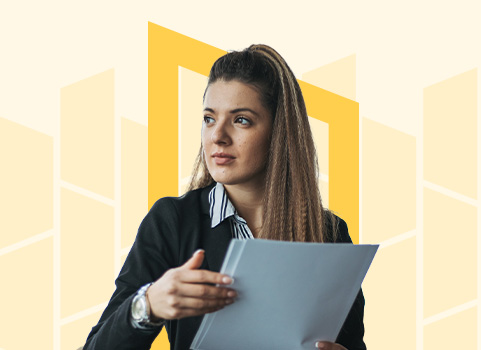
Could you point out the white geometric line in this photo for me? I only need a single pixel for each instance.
(361, 125)
(479, 207)
(57, 238)
(450, 312)
(324, 177)
(185, 181)
(117, 189)
(26, 242)
(83, 314)
(397, 239)
(420, 235)
(450, 193)
(179, 130)
(87, 193)
(125, 251)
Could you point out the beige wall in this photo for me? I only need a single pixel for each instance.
(73, 141)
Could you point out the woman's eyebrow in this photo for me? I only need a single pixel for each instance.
(234, 111)
(237, 110)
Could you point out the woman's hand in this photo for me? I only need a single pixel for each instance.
(186, 291)
(327, 345)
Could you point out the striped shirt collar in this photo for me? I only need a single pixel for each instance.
(221, 207)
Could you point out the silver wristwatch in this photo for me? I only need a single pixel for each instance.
(140, 311)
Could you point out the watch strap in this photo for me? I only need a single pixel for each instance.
(144, 321)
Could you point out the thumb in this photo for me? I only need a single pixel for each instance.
(195, 261)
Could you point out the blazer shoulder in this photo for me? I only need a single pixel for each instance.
(178, 205)
(173, 204)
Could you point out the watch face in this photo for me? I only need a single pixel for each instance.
(138, 308)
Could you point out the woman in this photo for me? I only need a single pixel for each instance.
(255, 177)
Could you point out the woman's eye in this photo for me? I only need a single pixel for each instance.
(243, 121)
(208, 119)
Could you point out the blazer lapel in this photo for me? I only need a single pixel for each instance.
(214, 240)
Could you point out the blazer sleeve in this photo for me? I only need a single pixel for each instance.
(153, 253)
(352, 331)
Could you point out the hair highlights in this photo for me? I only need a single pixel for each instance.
(293, 208)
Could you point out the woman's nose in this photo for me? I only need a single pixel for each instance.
(220, 134)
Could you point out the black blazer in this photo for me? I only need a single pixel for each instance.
(171, 232)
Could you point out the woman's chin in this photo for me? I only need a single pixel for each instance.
(221, 179)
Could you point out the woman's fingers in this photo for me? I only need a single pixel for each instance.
(183, 293)
(195, 261)
(186, 291)
(181, 313)
(189, 272)
(180, 307)
(197, 303)
(202, 291)
(327, 345)
(202, 276)
(170, 301)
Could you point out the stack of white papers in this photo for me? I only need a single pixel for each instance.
(290, 294)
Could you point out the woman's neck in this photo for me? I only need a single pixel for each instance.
(248, 201)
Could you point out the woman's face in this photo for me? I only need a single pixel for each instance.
(235, 133)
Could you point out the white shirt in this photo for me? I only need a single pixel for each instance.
(221, 209)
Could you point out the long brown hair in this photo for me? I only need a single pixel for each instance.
(293, 208)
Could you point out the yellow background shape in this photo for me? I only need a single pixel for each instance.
(167, 51)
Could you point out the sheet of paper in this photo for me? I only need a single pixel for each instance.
(290, 294)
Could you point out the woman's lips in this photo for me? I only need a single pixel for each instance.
(223, 158)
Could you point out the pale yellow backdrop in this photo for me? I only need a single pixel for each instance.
(73, 151)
